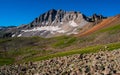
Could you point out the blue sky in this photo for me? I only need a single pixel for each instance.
(17, 12)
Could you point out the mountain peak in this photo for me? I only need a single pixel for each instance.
(55, 23)
(52, 10)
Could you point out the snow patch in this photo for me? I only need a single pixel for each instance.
(73, 24)
(13, 35)
(43, 33)
(52, 32)
(61, 22)
(47, 23)
(19, 35)
(43, 23)
(53, 22)
(73, 32)
(47, 28)
(61, 31)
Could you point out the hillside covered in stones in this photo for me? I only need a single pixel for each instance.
(101, 63)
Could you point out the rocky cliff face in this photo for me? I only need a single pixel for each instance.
(56, 23)
(6, 31)
(56, 17)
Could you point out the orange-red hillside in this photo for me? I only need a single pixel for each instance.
(106, 22)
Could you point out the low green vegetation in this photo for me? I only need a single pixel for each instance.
(91, 49)
(64, 42)
(24, 49)
(30, 53)
(112, 29)
(6, 61)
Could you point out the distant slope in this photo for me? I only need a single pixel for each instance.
(105, 23)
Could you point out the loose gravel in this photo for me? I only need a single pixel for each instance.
(101, 63)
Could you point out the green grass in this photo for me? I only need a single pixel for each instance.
(91, 49)
(36, 48)
(6, 61)
(28, 48)
(21, 48)
(112, 29)
(64, 41)
(107, 34)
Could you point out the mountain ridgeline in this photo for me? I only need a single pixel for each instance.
(54, 23)
(54, 17)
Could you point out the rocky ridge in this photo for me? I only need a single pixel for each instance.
(53, 23)
(6, 31)
(56, 23)
(101, 63)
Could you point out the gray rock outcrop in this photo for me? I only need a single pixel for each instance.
(55, 23)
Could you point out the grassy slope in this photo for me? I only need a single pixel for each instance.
(17, 50)
(91, 49)
(112, 29)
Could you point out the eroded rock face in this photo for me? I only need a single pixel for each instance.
(54, 17)
(101, 63)
(56, 23)
(97, 18)
(6, 31)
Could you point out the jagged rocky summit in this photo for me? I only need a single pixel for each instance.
(56, 23)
